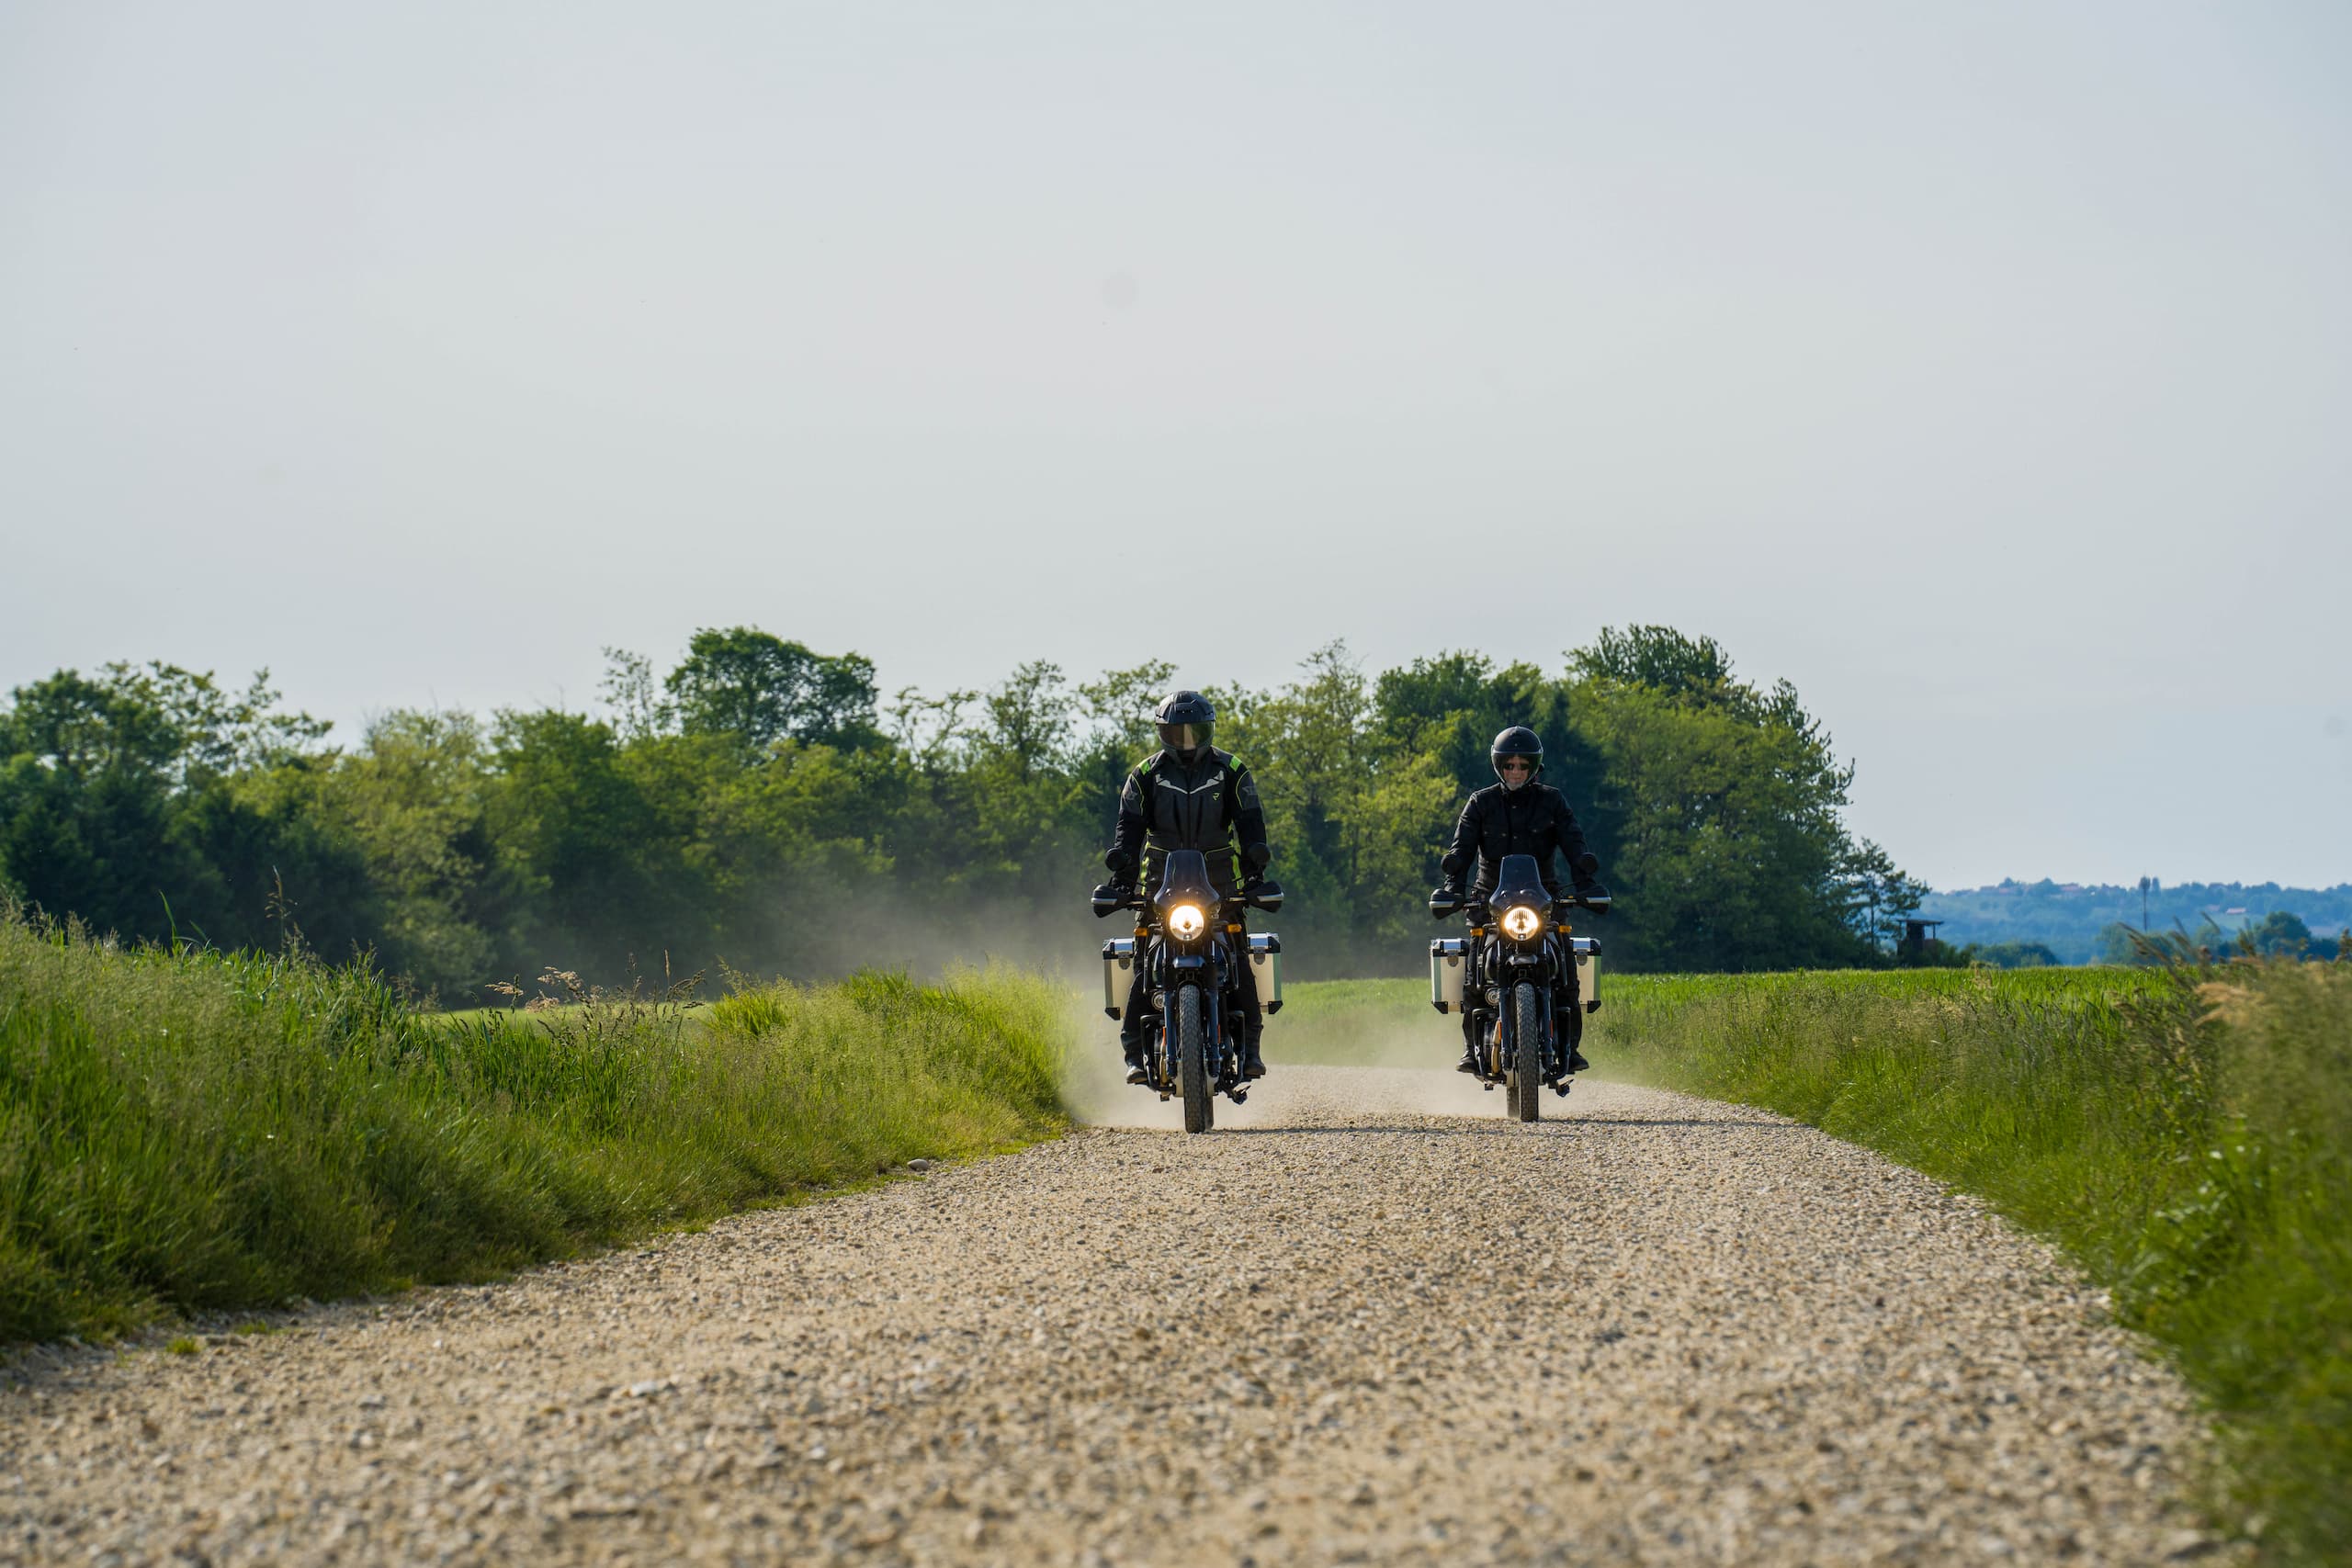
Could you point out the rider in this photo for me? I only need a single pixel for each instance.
(1188, 795)
(1518, 816)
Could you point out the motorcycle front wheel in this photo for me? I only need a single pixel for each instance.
(1527, 1055)
(1192, 1061)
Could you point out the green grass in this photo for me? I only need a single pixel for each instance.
(2185, 1135)
(194, 1132)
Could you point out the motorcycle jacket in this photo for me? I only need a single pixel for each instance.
(1169, 803)
(1533, 819)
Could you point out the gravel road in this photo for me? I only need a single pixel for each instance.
(1372, 1322)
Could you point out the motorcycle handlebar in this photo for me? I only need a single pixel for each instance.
(1110, 898)
(1445, 906)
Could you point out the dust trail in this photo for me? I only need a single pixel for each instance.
(1094, 1086)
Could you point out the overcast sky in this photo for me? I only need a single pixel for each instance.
(1983, 369)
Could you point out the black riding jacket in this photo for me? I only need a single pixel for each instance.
(1168, 804)
(1533, 819)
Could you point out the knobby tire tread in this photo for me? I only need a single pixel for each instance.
(1192, 1062)
(1527, 1055)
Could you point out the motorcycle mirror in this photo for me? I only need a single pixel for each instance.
(1588, 863)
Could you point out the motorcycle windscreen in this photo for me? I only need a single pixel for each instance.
(1518, 882)
(1185, 880)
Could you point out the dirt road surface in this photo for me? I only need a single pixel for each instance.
(1367, 1320)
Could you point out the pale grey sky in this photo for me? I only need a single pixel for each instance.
(1985, 369)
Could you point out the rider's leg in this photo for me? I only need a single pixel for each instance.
(1471, 982)
(1253, 1065)
(1135, 1020)
(1568, 1017)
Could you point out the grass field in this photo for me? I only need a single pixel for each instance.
(2185, 1135)
(193, 1131)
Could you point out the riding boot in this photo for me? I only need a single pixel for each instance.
(1133, 1047)
(1253, 1065)
(1571, 1027)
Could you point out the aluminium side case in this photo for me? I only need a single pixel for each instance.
(1118, 973)
(1587, 952)
(1449, 965)
(1266, 968)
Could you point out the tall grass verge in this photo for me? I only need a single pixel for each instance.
(190, 1131)
(2185, 1132)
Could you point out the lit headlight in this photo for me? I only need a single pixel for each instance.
(1520, 921)
(1185, 921)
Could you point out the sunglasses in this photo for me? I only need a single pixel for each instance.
(1517, 765)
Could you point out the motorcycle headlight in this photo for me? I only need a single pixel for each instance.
(1520, 922)
(1186, 921)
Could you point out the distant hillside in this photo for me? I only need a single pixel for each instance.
(2067, 917)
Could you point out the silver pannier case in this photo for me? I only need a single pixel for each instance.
(1588, 971)
(1448, 963)
(1266, 968)
(1118, 973)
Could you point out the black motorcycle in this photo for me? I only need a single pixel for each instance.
(1192, 939)
(1518, 956)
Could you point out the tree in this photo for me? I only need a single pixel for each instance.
(1694, 670)
(639, 707)
(1723, 805)
(119, 805)
(413, 795)
(749, 805)
(1878, 897)
(761, 688)
(590, 869)
(2014, 955)
(2277, 934)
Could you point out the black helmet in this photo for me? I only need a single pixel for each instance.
(1186, 721)
(1517, 742)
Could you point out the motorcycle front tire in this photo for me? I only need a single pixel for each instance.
(1192, 1061)
(1527, 1055)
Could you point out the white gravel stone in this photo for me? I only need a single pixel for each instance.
(1366, 1321)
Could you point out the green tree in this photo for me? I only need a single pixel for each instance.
(120, 803)
(2277, 934)
(591, 871)
(1721, 804)
(761, 688)
(413, 796)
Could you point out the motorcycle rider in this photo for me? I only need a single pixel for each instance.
(1517, 816)
(1188, 795)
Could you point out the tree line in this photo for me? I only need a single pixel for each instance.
(761, 806)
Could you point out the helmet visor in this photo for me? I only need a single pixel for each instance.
(1185, 738)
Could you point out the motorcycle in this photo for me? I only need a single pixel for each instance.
(1520, 953)
(1192, 939)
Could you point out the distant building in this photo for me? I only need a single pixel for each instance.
(1917, 935)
